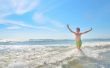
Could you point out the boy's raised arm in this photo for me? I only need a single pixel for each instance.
(86, 31)
(70, 29)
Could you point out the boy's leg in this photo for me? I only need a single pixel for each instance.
(78, 47)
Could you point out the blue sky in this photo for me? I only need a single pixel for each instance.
(42, 19)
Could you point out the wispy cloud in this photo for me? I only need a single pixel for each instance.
(53, 4)
(19, 7)
(41, 19)
(57, 23)
(23, 6)
(20, 24)
(14, 24)
(13, 27)
(8, 7)
(5, 8)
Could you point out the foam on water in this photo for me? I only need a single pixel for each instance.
(96, 56)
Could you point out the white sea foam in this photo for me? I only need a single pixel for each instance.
(37, 56)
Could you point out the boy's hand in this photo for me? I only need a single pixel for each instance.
(67, 25)
(91, 28)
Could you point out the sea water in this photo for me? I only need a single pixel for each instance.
(48, 53)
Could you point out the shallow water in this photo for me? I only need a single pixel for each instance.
(14, 56)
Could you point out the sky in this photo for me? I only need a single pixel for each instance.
(47, 19)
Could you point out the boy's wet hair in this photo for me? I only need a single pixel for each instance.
(78, 29)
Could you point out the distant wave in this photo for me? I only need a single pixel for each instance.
(48, 41)
(36, 42)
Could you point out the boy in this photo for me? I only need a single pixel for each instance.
(78, 36)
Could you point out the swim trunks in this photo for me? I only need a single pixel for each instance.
(79, 43)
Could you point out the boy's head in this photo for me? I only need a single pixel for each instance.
(78, 29)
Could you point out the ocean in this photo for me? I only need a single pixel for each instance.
(53, 53)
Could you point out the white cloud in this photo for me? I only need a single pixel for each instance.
(40, 18)
(45, 28)
(8, 7)
(57, 23)
(13, 27)
(20, 24)
(52, 4)
(20, 7)
(23, 6)
(5, 8)
(15, 23)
